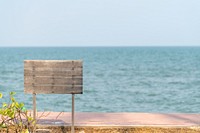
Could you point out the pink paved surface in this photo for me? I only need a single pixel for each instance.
(119, 119)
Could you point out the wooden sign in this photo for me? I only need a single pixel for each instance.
(53, 76)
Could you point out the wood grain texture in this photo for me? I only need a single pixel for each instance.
(52, 76)
(53, 89)
(53, 73)
(53, 63)
(53, 81)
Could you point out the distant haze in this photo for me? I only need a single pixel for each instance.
(100, 23)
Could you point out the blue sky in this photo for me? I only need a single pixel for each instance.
(99, 22)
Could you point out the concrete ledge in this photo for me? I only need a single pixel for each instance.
(57, 122)
(124, 129)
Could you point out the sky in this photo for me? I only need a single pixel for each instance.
(100, 22)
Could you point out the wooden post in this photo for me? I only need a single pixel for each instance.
(72, 130)
(34, 112)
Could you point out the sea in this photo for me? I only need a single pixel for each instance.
(115, 79)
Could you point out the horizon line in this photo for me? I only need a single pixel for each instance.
(110, 46)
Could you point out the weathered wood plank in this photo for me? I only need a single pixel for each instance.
(55, 77)
(53, 89)
(53, 81)
(52, 73)
(52, 63)
(52, 69)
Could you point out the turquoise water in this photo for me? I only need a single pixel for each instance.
(116, 79)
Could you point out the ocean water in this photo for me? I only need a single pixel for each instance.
(116, 79)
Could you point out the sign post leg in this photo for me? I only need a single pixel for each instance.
(72, 130)
(34, 112)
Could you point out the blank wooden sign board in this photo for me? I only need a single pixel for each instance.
(53, 77)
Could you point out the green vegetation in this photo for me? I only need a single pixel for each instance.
(14, 117)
